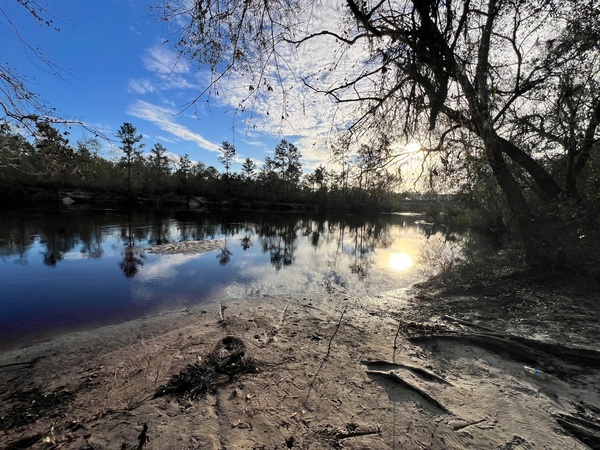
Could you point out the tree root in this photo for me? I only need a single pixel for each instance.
(395, 377)
(519, 348)
(581, 429)
(468, 323)
(429, 376)
(493, 343)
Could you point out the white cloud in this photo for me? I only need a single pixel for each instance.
(167, 139)
(141, 86)
(164, 118)
(164, 61)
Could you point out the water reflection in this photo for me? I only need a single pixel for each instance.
(133, 255)
(103, 254)
(400, 261)
(224, 255)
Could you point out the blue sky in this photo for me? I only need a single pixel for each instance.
(116, 68)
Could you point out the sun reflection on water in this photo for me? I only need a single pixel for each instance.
(400, 261)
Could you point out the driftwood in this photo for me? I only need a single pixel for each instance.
(518, 348)
(396, 378)
(430, 376)
(582, 429)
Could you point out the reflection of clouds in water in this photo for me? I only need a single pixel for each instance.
(265, 280)
(308, 274)
(164, 268)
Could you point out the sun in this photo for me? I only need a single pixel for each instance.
(400, 261)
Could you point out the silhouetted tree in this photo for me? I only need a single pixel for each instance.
(131, 147)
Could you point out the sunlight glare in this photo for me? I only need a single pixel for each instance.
(413, 147)
(400, 261)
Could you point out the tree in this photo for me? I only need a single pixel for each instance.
(227, 155)
(431, 69)
(54, 153)
(248, 168)
(287, 161)
(131, 148)
(16, 154)
(88, 151)
(158, 162)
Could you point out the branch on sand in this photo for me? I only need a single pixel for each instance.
(337, 328)
(396, 378)
(357, 433)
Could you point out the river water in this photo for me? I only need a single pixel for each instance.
(62, 271)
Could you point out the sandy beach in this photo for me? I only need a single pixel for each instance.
(315, 372)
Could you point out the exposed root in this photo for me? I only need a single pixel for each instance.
(396, 378)
(430, 376)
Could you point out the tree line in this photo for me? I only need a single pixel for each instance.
(49, 161)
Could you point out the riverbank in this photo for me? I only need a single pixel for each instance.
(317, 372)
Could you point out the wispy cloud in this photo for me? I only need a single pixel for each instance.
(141, 86)
(164, 61)
(164, 118)
(167, 70)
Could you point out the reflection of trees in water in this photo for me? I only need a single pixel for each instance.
(246, 241)
(132, 260)
(57, 242)
(161, 232)
(15, 239)
(224, 255)
(280, 241)
(364, 238)
(353, 239)
(132, 255)
(91, 244)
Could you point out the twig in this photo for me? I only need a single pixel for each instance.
(418, 370)
(143, 437)
(283, 314)
(337, 328)
(221, 309)
(357, 433)
(396, 340)
(395, 377)
(33, 361)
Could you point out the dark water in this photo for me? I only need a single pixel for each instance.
(63, 271)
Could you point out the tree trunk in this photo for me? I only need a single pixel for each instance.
(513, 193)
(549, 189)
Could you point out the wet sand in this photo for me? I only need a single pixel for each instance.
(313, 387)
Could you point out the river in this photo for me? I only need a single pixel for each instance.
(62, 271)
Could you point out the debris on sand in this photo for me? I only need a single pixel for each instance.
(227, 360)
